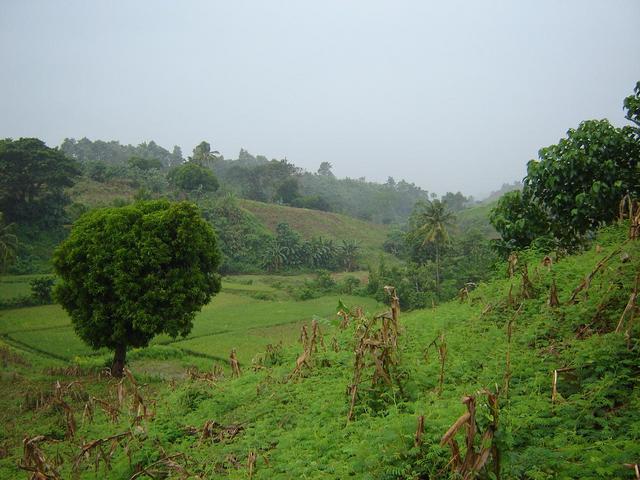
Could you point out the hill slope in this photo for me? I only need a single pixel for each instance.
(505, 338)
(309, 223)
(315, 223)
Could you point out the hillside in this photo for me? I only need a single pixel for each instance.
(477, 218)
(555, 390)
(315, 223)
(87, 193)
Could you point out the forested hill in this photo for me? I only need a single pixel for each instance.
(253, 177)
(260, 208)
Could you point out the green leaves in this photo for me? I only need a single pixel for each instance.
(574, 187)
(134, 272)
(32, 181)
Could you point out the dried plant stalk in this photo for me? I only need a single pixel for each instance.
(586, 282)
(419, 432)
(235, 364)
(474, 460)
(553, 301)
(376, 343)
(631, 309)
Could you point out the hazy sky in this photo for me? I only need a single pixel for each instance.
(449, 95)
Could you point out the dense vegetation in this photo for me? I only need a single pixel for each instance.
(248, 176)
(87, 174)
(575, 186)
(441, 256)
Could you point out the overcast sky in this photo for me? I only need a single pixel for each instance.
(449, 95)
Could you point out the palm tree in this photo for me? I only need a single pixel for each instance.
(274, 257)
(434, 222)
(8, 243)
(203, 156)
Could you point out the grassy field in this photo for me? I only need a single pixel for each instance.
(234, 319)
(101, 194)
(12, 286)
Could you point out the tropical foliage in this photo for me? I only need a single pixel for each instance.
(131, 273)
(575, 186)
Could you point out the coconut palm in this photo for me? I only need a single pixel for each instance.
(434, 221)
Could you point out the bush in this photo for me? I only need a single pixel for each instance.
(349, 285)
(17, 302)
(41, 289)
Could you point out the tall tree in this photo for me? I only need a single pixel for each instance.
(32, 180)
(325, 169)
(434, 221)
(203, 156)
(580, 181)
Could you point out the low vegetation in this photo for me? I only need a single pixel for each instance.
(549, 389)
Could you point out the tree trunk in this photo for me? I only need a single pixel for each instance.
(117, 367)
(437, 269)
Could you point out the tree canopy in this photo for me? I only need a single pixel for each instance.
(133, 272)
(576, 185)
(191, 176)
(581, 179)
(32, 180)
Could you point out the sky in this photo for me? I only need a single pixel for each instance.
(452, 96)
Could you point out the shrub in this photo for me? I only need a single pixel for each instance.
(41, 289)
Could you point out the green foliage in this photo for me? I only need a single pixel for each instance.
(131, 273)
(381, 203)
(632, 106)
(143, 163)
(349, 252)
(455, 202)
(8, 244)
(192, 176)
(297, 426)
(242, 238)
(288, 192)
(519, 221)
(111, 154)
(575, 186)
(203, 156)
(434, 270)
(580, 181)
(32, 181)
(41, 289)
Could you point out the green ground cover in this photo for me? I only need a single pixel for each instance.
(296, 427)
